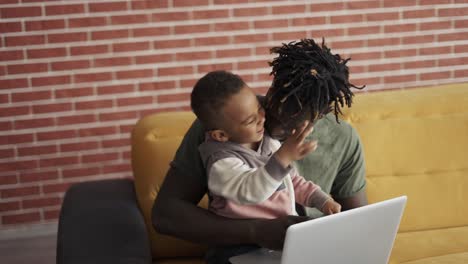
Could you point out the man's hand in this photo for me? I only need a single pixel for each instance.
(295, 147)
(271, 233)
(331, 207)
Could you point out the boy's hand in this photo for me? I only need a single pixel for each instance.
(331, 207)
(295, 147)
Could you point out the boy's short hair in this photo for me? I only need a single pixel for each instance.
(210, 94)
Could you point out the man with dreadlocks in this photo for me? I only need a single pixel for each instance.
(309, 83)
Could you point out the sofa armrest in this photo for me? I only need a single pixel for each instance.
(100, 222)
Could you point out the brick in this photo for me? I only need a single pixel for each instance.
(110, 34)
(418, 39)
(308, 21)
(252, 11)
(364, 30)
(461, 48)
(461, 23)
(31, 96)
(210, 14)
(16, 139)
(27, 68)
(13, 83)
(435, 25)
(67, 37)
(88, 50)
(43, 175)
(289, 36)
(51, 108)
(11, 55)
(290, 9)
(434, 2)
(384, 42)
(170, 16)
(19, 191)
(175, 71)
(127, 129)
(157, 58)
(81, 172)
(132, 115)
(9, 27)
(419, 64)
(399, 28)
(70, 65)
(435, 50)
(452, 37)
(15, 41)
(453, 61)
(154, 86)
(8, 179)
(225, 2)
(250, 38)
(108, 6)
(348, 44)
(21, 218)
(6, 153)
(87, 22)
(45, 24)
(452, 12)
(20, 12)
(233, 53)
(116, 168)
(149, 4)
(252, 65)
(398, 3)
(41, 202)
(316, 8)
(93, 77)
(133, 46)
(130, 19)
(49, 81)
(366, 81)
(188, 82)
(76, 119)
(362, 4)
(9, 206)
(419, 13)
(46, 53)
(400, 53)
(181, 3)
(74, 147)
(55, 135)
(56, 188)
(51, 214)
(58, 162)
(346, 19)
(75, 92)
(384, 67)
(435, 76)
(191, 56)
(116, 89)
(13, 111)
(190, 29)
(151, 31)
(328, 33)
(34, 123)
(382, 16)
(97, 131)
(208, 41)
(167, 44)
(116, 143)
(134, 74)
(64, 9)
(274, 23)
(215, 67)
(7, 125)
(94, 158)
(142, 100)
(167, 98)
(231, 26)
(96, 104)
(461, 73)
(400, 78)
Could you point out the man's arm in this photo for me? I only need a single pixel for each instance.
(176, 213)
(357, 200)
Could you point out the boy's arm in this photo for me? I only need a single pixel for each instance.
(308, 194)
(232, 179)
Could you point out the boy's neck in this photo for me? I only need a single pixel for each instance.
(252, 146)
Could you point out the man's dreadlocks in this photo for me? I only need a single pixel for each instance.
(308, 78)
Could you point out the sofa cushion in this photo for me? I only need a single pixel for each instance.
(446, 259)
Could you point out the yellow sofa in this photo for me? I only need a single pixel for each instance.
(415, 143)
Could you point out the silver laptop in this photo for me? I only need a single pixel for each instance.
(364, 235)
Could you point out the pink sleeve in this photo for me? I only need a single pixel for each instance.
(308, 193)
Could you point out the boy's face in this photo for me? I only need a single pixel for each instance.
(244, 117)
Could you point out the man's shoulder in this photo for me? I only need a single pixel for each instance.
(330, 127)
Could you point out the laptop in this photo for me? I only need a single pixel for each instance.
(363, 235)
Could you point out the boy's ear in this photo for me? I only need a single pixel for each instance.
(219, 135)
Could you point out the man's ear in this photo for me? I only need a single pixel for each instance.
(219, 135)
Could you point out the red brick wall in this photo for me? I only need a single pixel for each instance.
(75, 76)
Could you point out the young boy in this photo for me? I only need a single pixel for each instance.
(250, 175)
